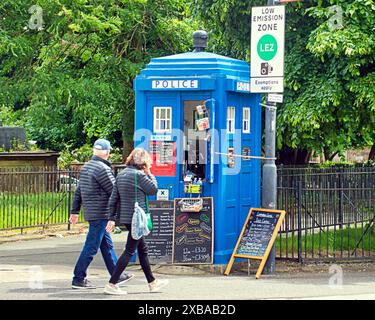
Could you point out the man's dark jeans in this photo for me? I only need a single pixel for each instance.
(96, 238)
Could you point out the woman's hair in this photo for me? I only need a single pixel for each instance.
(139, 158)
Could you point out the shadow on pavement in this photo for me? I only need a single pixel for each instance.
(61, 255)
(67, 293)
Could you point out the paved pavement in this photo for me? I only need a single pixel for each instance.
(42, 269)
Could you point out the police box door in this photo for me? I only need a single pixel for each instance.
(163, 126)
(196, 124)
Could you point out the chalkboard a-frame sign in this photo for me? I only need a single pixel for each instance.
(257, 237)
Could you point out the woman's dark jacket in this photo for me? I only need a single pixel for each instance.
(123, 198)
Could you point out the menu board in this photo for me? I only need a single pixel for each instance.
(160, 239)
(193, 231)
(257, 236)
(258, 233)
(163, 150)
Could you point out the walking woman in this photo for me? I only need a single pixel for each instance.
(132, 185)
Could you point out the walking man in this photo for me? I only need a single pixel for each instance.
(93, 193)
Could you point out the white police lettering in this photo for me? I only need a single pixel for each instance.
(174, 84)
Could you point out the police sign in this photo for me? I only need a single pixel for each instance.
(175, 84)
(267, 49)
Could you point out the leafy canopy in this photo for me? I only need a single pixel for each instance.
(70, 80)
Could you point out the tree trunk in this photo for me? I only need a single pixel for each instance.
(289, 156)
(371, 156)
(326, 154)
(332, 156)
(127, 148)
(295, 155)
(127, 132)
(308, 157)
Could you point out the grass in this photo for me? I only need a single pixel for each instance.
(341, 242)
(33, 209)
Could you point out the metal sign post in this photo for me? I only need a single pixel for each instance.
(269, 175)
(267, 76)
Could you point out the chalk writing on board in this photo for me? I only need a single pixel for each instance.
(257, 237)
(193, 234)
(258, 234)
(160, 240)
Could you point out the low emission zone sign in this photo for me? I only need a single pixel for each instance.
(267, 49)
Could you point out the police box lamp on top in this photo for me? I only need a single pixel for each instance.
(200, 40)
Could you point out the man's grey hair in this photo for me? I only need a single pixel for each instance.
(97, 152)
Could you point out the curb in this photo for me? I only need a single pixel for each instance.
(55, 231)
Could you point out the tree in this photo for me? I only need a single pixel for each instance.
(67, 66)
(329, 70)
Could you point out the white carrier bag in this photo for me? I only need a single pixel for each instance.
(139, 220)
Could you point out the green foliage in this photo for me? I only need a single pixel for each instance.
(71, 81)
(329, 99)
(18, 145)
(331, 164)
(82, 154)
(10, 117)
(345, 164)
(116, 156)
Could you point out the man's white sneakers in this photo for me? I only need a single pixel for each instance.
(157, 284)
(114, 290)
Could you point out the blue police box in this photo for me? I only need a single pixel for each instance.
(196, 116)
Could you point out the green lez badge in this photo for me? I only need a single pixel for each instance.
(267, 47)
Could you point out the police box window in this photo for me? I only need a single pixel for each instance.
(246, 120)
(162, 119)
(230, 119)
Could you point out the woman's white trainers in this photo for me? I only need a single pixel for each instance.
(156, 285)
(114, 290)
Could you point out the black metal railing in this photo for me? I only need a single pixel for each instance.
(35, 197)
(330, 213)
